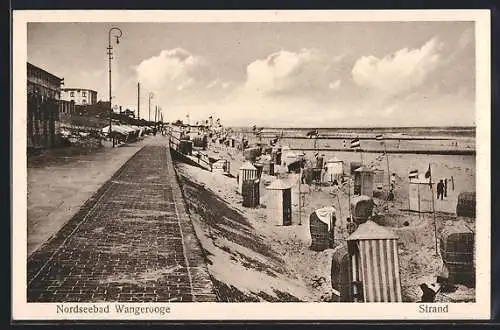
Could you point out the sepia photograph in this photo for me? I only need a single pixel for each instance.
(228, 159)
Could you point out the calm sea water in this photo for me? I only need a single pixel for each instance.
(469, 131)
(437, 138)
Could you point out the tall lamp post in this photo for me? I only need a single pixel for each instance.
(151, 95)
(118, 34)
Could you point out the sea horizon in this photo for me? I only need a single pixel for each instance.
(359, 127)
(463, 131)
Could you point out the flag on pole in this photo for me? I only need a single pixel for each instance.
(428, 176)
(379, 137)
(355, 144)
(312, 134)
(428, 173)
(413, 174)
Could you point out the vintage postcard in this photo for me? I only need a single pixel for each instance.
(251, 165)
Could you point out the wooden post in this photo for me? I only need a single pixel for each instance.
(300, 197)
(349, 194)
(388, 170)
(418, 196)
(340, 208)
(354, 282)
(433, 211)
(361, 174)
(139, 101)
(409, 203)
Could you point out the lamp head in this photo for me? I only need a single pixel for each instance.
(117, 40)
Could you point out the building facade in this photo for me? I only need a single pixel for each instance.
(127, 112)
(66, 109)
(43, 95)
(81, 96)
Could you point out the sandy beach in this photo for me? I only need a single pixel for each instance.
(304, 273)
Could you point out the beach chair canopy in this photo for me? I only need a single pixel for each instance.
(279, 184)
(325, 215)
(248, 166)
(371, 230)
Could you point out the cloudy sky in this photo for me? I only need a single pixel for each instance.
(318, 74)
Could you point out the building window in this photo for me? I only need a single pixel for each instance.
(72, 94)
(84, 101)
(84, 94)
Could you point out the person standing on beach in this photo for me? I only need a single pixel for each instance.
(440, 189)
(446, 187)
(393, 181)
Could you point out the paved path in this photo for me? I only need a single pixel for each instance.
(132, 241)
(57, 191)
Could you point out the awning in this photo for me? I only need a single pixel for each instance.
(117, 129)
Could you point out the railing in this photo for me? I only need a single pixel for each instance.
(202, 157)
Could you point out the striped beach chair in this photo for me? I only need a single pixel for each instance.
(375, 264)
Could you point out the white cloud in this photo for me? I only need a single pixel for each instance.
(176, 68)
(308, 71)
(177, 75)
(398, 72)
(302, 89)
(217, 83)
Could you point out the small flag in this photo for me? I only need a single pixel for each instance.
(379, 137)
(428, 173)
(355, 144)
(312, 134)
(413, 174)
(428, 176)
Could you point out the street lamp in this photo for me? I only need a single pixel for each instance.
(151, 95)
(110, 57)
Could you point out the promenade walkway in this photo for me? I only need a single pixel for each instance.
(131, 242)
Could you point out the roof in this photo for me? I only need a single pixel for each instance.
(279, 184)
(69, 89)
(247, 166)
(363, 168)
(356, 199)
(370, 230)
(124, 129)
(34, 67)
(334, 160)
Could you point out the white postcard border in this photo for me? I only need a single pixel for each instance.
(21, 310)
